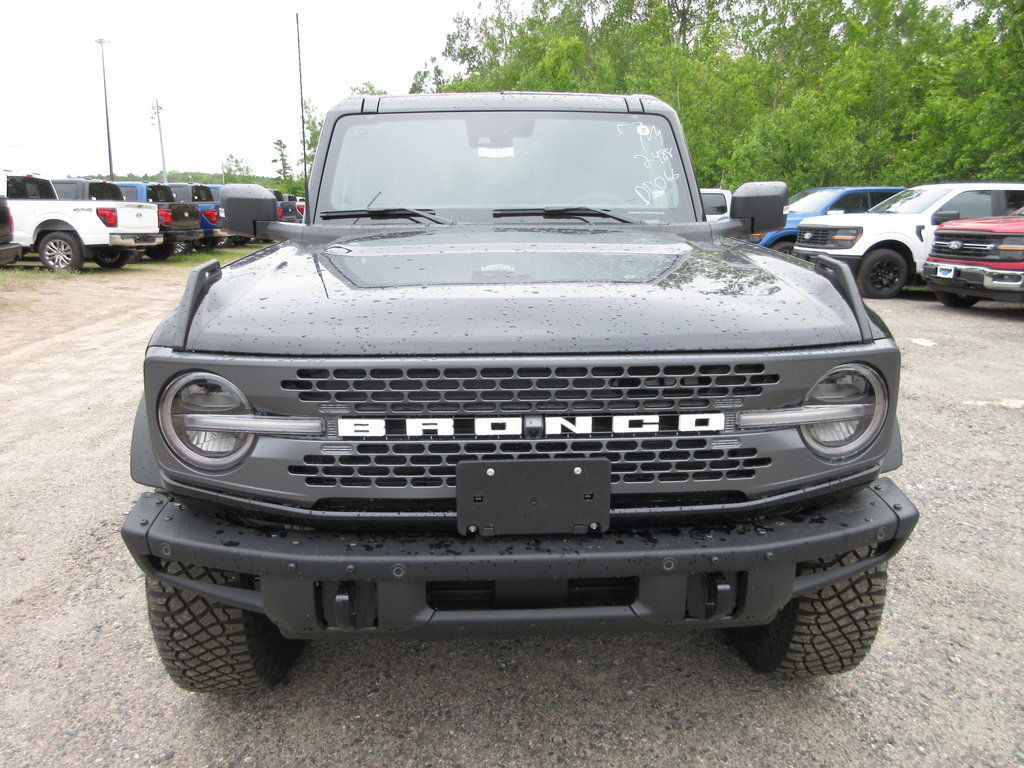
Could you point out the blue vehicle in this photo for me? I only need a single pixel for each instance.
(820, 201)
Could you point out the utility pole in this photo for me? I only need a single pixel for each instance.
(157, 109)
(106, 107)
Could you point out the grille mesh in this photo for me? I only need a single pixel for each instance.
(431, 464)
(974, 247)
(454, 391)
(815, 236)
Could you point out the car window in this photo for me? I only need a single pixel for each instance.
(100, 191)
(201, 194)
(28, 188)
(916, 200)
(1014, 200)
(158, 193)
(970, 205)
(877, 197)
(852, 202)
(130, 193)
(714, 203)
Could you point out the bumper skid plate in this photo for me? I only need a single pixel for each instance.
(318, 584)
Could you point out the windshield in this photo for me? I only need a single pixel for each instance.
(810, 200)
(916, 200)
(468, 164)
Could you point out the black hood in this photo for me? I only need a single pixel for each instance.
(473, 290)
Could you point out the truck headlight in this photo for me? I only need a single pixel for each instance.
(845, 237)
(1012, 248)
(199, 393)
(856, 395)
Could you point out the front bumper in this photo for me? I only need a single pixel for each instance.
(316, 584)
(975, 280)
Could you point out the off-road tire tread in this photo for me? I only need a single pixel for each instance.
(826, 633)
(208, 646)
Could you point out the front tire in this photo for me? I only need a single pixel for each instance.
(783, 246)
(208, 646)
(955, 300)
(62, 250)
(882, 274)
(824, 633)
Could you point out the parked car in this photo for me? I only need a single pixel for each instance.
(974, 259)
(820, 201)
(886, 247)
(716, 203)
(209, 210)
(10, 251)
(179, 222)
(67, 232)
(287, 210)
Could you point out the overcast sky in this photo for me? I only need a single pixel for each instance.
(225, 73)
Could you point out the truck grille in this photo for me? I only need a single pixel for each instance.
(820, 237)
(968, 245)
(455, 391)
(598, 390)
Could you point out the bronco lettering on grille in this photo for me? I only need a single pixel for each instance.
(490, 426)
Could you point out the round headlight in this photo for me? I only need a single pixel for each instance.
(203, 393)
(859, 387)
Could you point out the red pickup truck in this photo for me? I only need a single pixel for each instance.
(974, 259)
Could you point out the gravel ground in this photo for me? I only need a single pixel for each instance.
(82, 685)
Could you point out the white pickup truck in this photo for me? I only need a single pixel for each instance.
(66, 232)
(887, 246)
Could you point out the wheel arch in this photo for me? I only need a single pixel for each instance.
(902, 249)
(52, 225)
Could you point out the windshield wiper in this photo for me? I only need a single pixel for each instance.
(386, 213)
(562, 212)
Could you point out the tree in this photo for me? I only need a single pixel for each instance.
(284, 168)
(369, 89)
(234, 170)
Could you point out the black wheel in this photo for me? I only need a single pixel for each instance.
(209, 646)
(161, 252)
(111, 258)
(783, 246)
(955, 300)
(882, 274)
(61, 250)
(825, 633)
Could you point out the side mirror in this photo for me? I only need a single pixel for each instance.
(243, 207)
(940, 217)
(760, 204)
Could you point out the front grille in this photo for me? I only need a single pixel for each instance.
(431, 463)
(454, 391)
(968, 246)
(815, 236)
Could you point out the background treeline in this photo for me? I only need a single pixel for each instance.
(812, 92)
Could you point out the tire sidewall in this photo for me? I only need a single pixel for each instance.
(73, 252)
(882, 274)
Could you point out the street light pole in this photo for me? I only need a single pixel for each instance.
(157, 109)
(106, 106)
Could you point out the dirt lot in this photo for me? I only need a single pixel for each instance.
(81, 683)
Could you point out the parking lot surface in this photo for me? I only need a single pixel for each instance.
(80, 682)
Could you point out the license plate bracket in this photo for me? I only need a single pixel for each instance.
(542, 496)
(946, 271)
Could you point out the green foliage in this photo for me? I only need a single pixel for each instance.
(822, 92)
